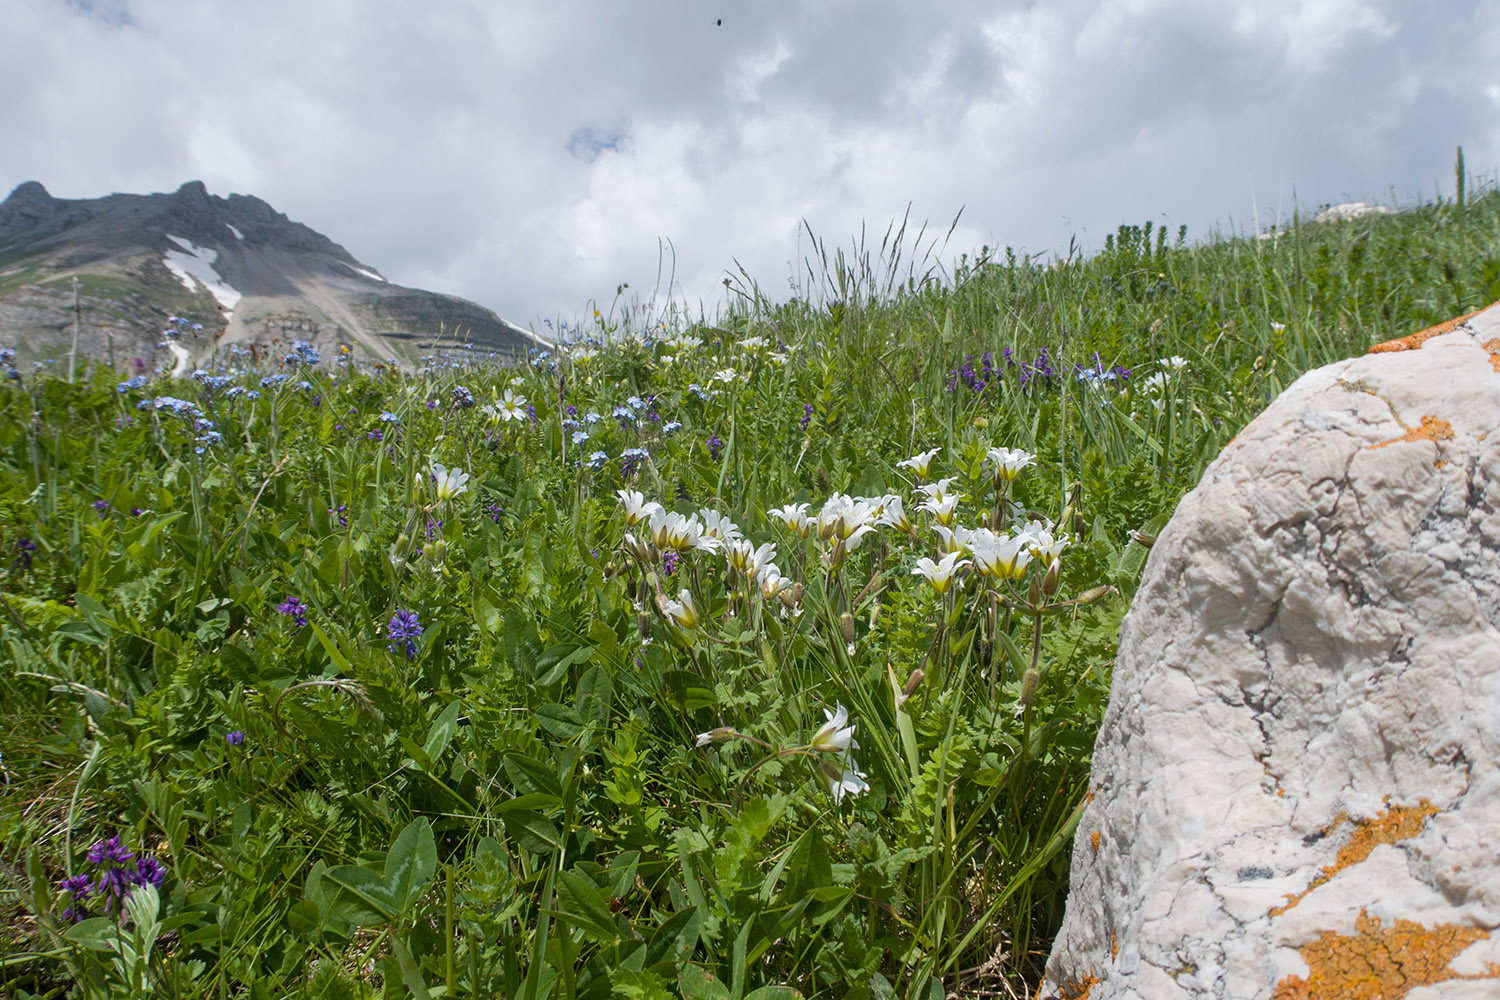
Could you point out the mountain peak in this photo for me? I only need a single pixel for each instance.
(28, 193)
(248, 273)
(193, 191)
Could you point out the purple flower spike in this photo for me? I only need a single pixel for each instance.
(235, 738)
(110, 852)
(148, 869)
(293, 608)
(403, 630)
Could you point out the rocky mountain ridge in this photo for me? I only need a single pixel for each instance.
(252, 279)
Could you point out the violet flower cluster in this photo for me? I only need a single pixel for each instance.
(113, 878)
(403, 631)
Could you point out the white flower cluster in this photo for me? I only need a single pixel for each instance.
(669, 531)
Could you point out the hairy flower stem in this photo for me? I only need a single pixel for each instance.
(1000, 490)
(775, 754)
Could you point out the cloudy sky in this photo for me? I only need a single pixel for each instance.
(532, 155)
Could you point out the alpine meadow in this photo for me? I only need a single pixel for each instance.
(745, 658)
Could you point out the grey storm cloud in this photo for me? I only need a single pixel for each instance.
(534, 155)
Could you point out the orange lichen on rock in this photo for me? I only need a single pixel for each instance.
(1380, 963)
(1415, 340)
(1400, 823)
(1094, 839)
(1078, 989)
(1493, 346)
(1431, 429)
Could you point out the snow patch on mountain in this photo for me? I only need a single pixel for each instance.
(195, 262)
(237, 234)
(369, 274)
(184, 360)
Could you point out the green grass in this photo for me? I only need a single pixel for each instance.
(521, 807)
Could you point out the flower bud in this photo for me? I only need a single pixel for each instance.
(912, 683)
(1029, 681)
(1053, 578)
(1141, 538)
(797, 591)
(643, 623)
(846, 627)
(637, 548)
(1034, 592)
(1095, 594)
(986, 652)
(723, 734)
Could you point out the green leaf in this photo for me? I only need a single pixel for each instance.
(580, 902)
(441, 733)
(528, 775)
(95, 934)
(690, 690)
(810, 867)
(1018, 661)
(774, 993)
(303, 918)
(411, 974)
(676, 938)
(331, 648)
(561, 721)
(96, 614)
(41, 888)
(697, 983)
(411, 863)
(532, 831)
(534, 801)
(486, 614)
(360, 896)
(81, 631)
(633, 985)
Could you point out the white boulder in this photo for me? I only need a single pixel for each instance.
(1296, 788)
(1349, 211)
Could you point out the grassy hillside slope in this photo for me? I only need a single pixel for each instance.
(363, 723)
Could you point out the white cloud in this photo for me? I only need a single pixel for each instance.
(533, 155)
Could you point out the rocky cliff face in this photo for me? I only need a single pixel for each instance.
(249, 276)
